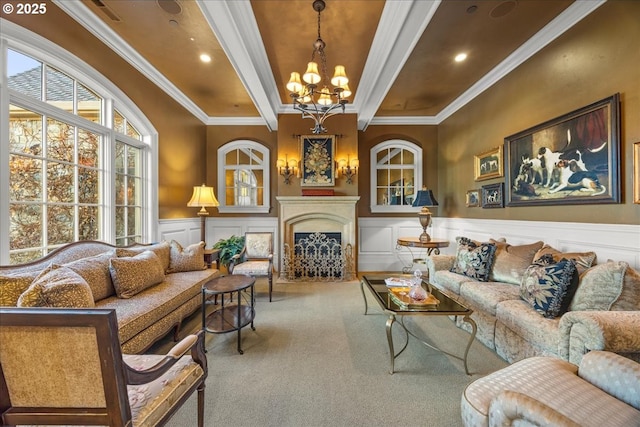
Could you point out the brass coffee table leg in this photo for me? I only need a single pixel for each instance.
(474, 329)
(364, 297)
(392, 355)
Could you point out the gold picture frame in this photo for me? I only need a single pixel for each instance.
(489, 164)
(636, 172)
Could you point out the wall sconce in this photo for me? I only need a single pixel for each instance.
(287, 168)
(349, 168)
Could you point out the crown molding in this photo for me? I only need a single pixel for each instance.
(236, 29)
(401, 26)
(83, 15)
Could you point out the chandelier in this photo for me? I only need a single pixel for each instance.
(314, 103)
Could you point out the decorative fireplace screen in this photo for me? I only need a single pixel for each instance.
(317, 257)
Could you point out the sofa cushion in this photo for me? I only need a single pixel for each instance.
(186, 259)
(161, 249)
(57, 286)
(511, 261)
(549, 286)
(157, 302)
(474, 259)
(486, 296)
(583, 260)
(13, 285)
(95, 271)
(523, 320)
(132, 275)
(600, 286)
(630, 296)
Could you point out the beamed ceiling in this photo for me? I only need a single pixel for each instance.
(398, 53)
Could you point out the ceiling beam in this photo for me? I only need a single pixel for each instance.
(401, 26)
(236, 29)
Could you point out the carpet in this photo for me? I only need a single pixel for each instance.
(315, 359)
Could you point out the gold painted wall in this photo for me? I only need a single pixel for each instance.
(181, 141)
(593, 60)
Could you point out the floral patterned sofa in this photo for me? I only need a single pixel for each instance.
(151, 287)
(533, 300)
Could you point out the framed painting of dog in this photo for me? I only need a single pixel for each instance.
(488, 165)
(572, 159)
(493, 195)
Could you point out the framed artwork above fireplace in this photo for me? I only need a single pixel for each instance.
(317, 160)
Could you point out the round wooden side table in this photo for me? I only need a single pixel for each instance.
(432, 247)
(229, 316)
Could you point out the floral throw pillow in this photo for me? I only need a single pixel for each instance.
(548, 286)
(474, 259)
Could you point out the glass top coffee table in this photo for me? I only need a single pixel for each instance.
(390, 305)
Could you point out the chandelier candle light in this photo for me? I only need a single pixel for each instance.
(319, 104)
(203, 197)
(425, 198)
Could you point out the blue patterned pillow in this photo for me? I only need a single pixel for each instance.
(549, 286)
(474, 259)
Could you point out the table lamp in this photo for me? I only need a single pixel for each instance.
(203, 197)
(425, 198)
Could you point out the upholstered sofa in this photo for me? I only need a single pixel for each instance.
(599, 310)
(545, 391)
(151, 287)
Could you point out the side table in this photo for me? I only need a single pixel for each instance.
(232, 316)
(432, 246)
(211, 256)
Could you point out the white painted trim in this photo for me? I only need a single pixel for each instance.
(377, 238)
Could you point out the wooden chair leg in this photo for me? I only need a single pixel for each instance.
(201, 405)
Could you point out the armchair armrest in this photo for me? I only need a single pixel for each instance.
(514, 408)
(193, 343)
(584, 331)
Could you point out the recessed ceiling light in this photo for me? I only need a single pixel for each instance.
(460, 57)
(205, 58)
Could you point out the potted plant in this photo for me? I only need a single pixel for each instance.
(228, 248)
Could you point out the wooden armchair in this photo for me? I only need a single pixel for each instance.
(256, 258)
(65, 366)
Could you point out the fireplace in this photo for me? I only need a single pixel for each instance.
(327, 224)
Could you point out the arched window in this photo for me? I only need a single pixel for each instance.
(243, 177)
(76, 158)
(396, 174)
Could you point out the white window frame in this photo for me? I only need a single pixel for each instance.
(222, 168)
(15, 37)
(417, 170)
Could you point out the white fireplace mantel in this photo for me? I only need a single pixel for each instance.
(317, 214)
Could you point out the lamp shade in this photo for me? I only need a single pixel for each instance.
(203, 197)
(425, 198)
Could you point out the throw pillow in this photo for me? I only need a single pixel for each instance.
(548, 286)
(474, 259)
(630, 296)
(511, 261)
(95, 270)
(57, 286)
(583, 260)
(132, 275)
(600, 286)
(13, 285)
(161, 249)
(186, 259)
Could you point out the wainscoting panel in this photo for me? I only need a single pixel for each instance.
(608, 241)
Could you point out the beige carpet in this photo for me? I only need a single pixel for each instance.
(315, 359)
